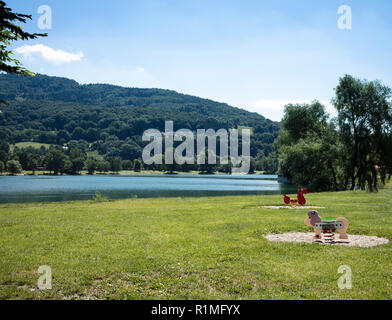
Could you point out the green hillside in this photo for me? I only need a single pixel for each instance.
(111, 119)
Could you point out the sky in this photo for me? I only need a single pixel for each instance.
(252, 54)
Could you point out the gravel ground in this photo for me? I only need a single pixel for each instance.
(288, 207)
(353, 240)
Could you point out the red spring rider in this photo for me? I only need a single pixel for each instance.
(300, 198)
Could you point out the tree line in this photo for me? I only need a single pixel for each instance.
(353, 150)
(72, 161)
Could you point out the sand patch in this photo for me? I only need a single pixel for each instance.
(353, 240)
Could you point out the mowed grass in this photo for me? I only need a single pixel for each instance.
(35, 145)
(191, 248)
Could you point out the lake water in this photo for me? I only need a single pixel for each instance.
(65, 188)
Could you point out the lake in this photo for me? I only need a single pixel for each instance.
(65, 188)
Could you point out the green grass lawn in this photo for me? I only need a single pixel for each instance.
(191, 248)
(35, 145)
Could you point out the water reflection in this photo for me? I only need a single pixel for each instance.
(65, 188)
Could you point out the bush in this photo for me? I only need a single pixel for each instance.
(98, 197)
(14, 167)
(127, 165)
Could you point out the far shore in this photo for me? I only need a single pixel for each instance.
(123, 172)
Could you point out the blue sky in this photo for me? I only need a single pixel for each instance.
(256, 55)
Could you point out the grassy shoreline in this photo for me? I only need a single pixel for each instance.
(123, 172)
(191, 248)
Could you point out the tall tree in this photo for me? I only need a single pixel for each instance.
(309, 148)
(10, 32)
(33, 162)
(91, 165)
(103, 166)
(55, 161)
(137, 165)
(77, 159)
(116, 164)
(365, 123)
(302, 120)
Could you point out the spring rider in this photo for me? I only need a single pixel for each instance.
(327, 227)
(300, 198)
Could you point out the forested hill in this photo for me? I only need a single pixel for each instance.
(111, 119)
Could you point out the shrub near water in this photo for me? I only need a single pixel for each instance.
(98, 197)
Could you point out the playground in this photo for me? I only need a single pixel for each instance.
(194, 248)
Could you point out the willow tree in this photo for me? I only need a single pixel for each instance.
(309, 148)
(365, 127)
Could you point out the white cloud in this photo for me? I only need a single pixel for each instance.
(140, 70)
(47, 53)
(274, 109)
